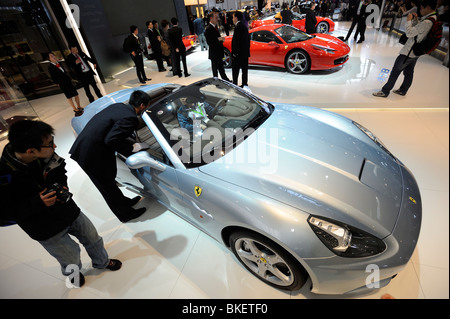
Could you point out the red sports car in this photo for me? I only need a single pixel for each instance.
(284, 46)
(324, 25)
(189, 41)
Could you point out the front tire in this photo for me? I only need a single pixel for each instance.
(267, 261)
(297, 62)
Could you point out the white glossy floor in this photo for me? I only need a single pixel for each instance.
(165, 257)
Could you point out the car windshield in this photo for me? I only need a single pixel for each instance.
(291, 34)
(207, 119)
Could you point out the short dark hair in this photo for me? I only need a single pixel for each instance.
(164, 23)
(212, 13)
(174, 21)
(238, 15)
(431, 3)
(132, 28)
(139, 97)
(154, 21)
(147, 23)
(26, 134)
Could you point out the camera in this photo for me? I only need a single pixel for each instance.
(62, 194)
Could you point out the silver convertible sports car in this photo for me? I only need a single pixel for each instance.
(295, 192)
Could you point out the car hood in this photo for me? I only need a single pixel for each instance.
(329, 41)
(320, 163)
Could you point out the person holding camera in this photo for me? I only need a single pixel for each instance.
(416, 32)
(34, 194)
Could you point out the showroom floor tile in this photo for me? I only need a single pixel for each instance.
(165, 257)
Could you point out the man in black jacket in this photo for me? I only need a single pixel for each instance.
(240, 49)
(215, 44)
(29, 168)
(78, 61)
(132, 46)
(95, 151)
(155, 41)
(178, 49)
(311, 20)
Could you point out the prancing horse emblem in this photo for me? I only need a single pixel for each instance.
(198, 191)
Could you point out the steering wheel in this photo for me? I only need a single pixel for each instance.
(216, 108)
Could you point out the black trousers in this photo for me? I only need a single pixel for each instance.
(104, 178)
(349, 33)
(176, 67)
(87, 79)
(361, 30)
(157, 54)
(217, 67)
(139, 63)
(239, 63)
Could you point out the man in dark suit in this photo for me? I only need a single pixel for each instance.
(224, 18)
(355, 11)
(155, 41)
(311, 20)
(133, 47)
(94, 150)
(215, 43)
(78, 62)
(240, 49)
(178, 49)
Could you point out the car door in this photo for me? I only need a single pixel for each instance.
(266, 48)
(161, 183)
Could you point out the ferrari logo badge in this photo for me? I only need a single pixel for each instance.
(412, 200)
(198, 191)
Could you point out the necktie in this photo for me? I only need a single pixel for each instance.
(82, 64)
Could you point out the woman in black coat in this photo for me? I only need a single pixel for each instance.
(60, 76)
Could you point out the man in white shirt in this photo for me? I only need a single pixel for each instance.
(406, 61)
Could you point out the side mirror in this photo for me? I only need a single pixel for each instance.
(142, 159)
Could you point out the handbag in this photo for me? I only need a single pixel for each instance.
(165, 48)
(403, 39)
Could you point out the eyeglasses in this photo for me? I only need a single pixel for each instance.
(51, 144)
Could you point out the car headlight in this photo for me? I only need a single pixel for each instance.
(344, 240)
(373, 137)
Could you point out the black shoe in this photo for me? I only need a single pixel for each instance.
(399, 92)
(78, 284)
(135, 213)
(133, 201)
(187, 74)
(360, 41)
(143, 82)
(114, 265)
(162, 70)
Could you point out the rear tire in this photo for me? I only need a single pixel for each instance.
(322, 27)
(267, 261)
(226, 59)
